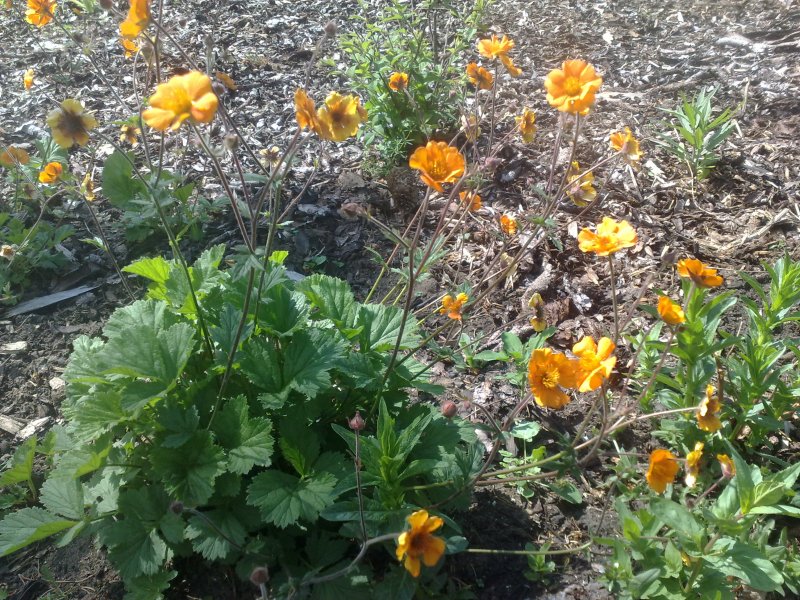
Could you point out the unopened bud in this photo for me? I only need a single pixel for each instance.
(107, 4)
(218, 88)
(259, 576)
(176, 507)
(449, 409)
(231, 141)
(331, 28)
(357, 423)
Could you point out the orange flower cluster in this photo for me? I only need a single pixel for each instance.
(580, 188)
(336, 120)
(498, 48)
(612, 236)
(550, 373)
(183, 97)
(398, 82)
(418, 542)
(51, 173)
(134, 24)
(479, 77)
(572, 88)
(452, 307)
(701, 275)
(437, 163)
(40, 12)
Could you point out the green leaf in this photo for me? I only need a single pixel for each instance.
(149, 587)
(95, 415)
(213, 533)
(284, 499)
(767, 493)
(743, 480)
(677, 517)
(381, 326)
(29, 525)
(180, 421)
(20, 466)
(151, 354)
(333, 299)
(62, 495)
(119, 184)
(155, 269)
(299, 443)
(149, 313)
(134, 548)
(248, 441)
(744, 562)
(283, 312)
(188, 474)
(225, 334)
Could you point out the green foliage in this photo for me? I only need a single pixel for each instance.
(427, 43)
(698, 135)
(156, 462)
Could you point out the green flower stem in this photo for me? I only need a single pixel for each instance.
(580, 548)
(110, 253)
(527, 466)
(345, 570)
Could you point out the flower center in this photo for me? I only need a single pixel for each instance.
(72, 124)
(572, 86)
(416, 545)
(550, 378)
(437, 170)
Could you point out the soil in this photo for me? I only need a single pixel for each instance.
(649, 54)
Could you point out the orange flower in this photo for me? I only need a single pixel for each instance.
(580, 188)
(438, 163)
(13, 156)
(472, 199)
(40, 12)
(183, 97)
(703, 276)
(130, 47)
(130, 134)
(628, 145)
(548, 373)
(728, 468)
(662, 470)
(70, 124)
(538, 321)
(670, 312)
(340, 117)
(611, 237)
(508, 223)
(693, 464)
(27, 79)
(226, 80)
(527, 125)
(51, 173)
(708, 411)
(479, 77)
(418, 542)
(137, 20)
(572, 88)
(495, 47)
(512, 69)
(305, 111)
(595, 362)
(87, 187)
(398, 81)
(452, 307)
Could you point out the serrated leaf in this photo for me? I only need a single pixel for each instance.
(282, 311)
(151, 354)
(225, 333)
(149, 587)
(180, 421)
(20, 466)
(381, 327)
(119, 184)
(188, 474)
(156, 269)
(135, 549)
(29, 525)
(333, 299)
(284, 499)
(746, 563)
(212, 534)
(299, 443)
(95, 415)
(63, 495)
(152, 314)
(248, 441)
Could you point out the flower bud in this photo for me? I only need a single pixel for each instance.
(107, 4)
(357, 422)
(259, 576)
(449, 409)
(218, 88)
(331, 28)
(231, 141)
(176, 507)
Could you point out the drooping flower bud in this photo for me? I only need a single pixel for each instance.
(176, 507)
(331, 28)
(357, 422)
(259, 576)
(449, 409)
